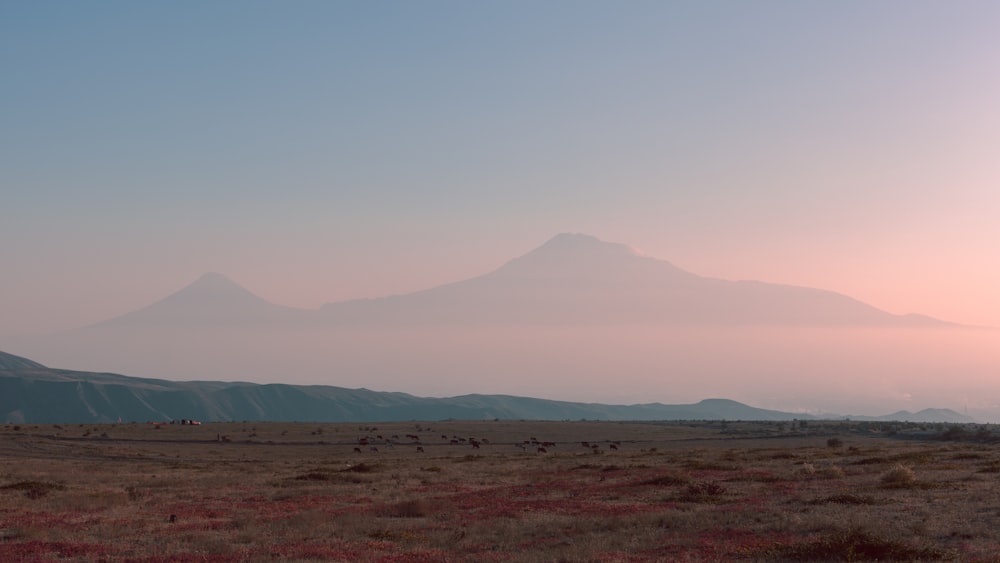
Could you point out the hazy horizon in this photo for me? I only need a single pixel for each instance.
(322, 152)
(215, 330)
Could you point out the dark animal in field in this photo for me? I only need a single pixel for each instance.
(613, 447)
(357, 450)
(542, 450)
(420, 449)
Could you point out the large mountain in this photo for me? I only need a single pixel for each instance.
(33, 393)
(578, 279)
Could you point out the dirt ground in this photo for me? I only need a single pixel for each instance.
(499, 491)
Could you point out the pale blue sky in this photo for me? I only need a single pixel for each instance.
(317, 151)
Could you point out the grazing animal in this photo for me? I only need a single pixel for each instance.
(542, 450)
(373, 449)
(420, 449)
(613, 447)
(173, 518)
(357, 450)
(585, 444)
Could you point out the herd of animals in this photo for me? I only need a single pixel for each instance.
(372, 443)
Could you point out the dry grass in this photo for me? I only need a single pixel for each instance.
(679, 492)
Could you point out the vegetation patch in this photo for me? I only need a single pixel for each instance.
(34, 489)
(361, 468)
(846, 498)
(902, 477)
(667, 480)
(316, 476)
(704, 491)
(695, 498)
(871, 461)
(853, 546)
(415, 508)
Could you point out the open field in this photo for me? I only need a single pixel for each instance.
(697, 491)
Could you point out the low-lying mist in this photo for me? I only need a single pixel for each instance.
(812, 369)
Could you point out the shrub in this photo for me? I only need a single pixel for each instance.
(313, 476)
(359, 468)
(704, 491)
(845, 499)
(670, 479)
(852, 546)
(34, 489)
(899, 476)
(415, 508)
(834, 472)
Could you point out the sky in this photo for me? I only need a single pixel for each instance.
(320, 151)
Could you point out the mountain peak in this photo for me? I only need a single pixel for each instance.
(570, 242)
(584, 256)
(213, 298)
(214, 287)
(214, 280)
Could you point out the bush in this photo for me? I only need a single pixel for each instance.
(899, 476)
(852, 546)
(704, 491)
(416, 508)
(34, 489)
(670, 479)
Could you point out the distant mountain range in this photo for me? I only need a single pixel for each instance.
(573, 279)
(32, 393)
(576, 318)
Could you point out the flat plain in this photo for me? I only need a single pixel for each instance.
(500, 491)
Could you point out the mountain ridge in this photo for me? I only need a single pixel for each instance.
(572, 278)
(40, 395)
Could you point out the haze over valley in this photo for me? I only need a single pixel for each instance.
(576, 319)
